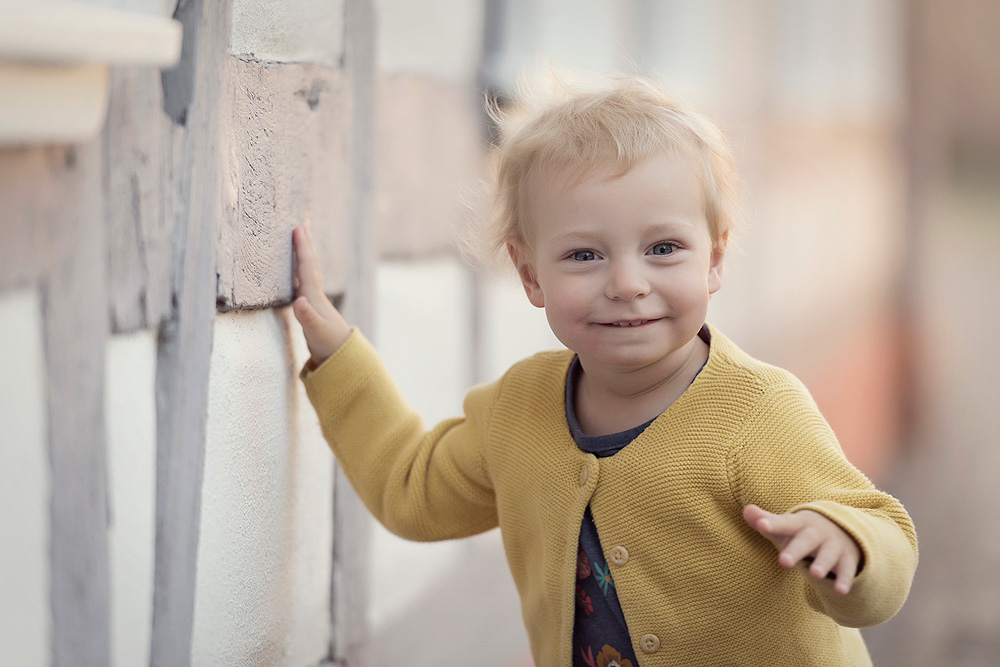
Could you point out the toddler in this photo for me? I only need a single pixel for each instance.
(663, 498)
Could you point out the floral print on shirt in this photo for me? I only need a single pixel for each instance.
(604, 577)
(582, 564)
(583, 601)
(608, 657)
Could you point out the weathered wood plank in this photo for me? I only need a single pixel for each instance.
(139, 205)
(75, 331)
(184, 352)
(351, 524)
(286, 162)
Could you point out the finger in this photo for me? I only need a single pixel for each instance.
(802, 545)
(752, 514)
(307, 264)
(828, 556)
(758, 518)
(846, 569)
(778, 526)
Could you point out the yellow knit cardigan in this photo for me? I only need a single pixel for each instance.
(698, 586)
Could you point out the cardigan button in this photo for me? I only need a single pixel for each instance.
(584, 474)
(619, 555)
(649, 643)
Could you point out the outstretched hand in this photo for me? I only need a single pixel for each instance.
(809, 536)
(324, 327)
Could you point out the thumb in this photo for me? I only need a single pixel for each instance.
(304, 312)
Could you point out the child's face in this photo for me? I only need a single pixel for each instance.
(624, 266)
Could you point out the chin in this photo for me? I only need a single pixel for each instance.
(629, 359)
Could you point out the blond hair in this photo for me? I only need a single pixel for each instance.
(626, 121)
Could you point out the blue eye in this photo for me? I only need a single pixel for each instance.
(662, 249)
(584, 256)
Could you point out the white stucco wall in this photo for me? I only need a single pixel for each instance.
(130, 415)
(423, 338)
(588, 35)
(440, 38)
(25, 485)
(289, 30)
(263, 591)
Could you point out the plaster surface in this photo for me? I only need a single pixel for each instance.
(25, 485)
(440, 38)
(130, 416)
(583, 35)
(309, 31)
(429, 364)
(263, 578)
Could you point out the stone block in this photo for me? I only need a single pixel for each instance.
(286, 162)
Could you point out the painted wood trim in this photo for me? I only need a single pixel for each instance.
(47, 104)
(54, 60)
(75, 335)
(185, 339)
(72, 32)
(352, 532)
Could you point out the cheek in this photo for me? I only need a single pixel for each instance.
(564, 304)
(688, 291)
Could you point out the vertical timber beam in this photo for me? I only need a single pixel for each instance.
(351, 528)
(75, 324)
(192, 100)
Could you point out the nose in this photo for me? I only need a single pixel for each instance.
(626, 281)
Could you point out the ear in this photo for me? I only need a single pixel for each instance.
(519, 255)
(716, 263)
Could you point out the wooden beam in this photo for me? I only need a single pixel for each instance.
(185, 348)
(75, 329)
(351, 527)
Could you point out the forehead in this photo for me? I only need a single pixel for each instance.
(664, 180)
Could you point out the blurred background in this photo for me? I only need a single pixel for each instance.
(868, 135)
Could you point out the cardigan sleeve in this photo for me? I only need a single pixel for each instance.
(420, 484)
(787, 459)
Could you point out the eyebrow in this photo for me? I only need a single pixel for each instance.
(667, 227)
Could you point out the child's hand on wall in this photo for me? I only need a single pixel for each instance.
(811, 536)
(324, 327)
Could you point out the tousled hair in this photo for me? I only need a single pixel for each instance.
(625, 122)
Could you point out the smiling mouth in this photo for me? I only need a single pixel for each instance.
(628, 323)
